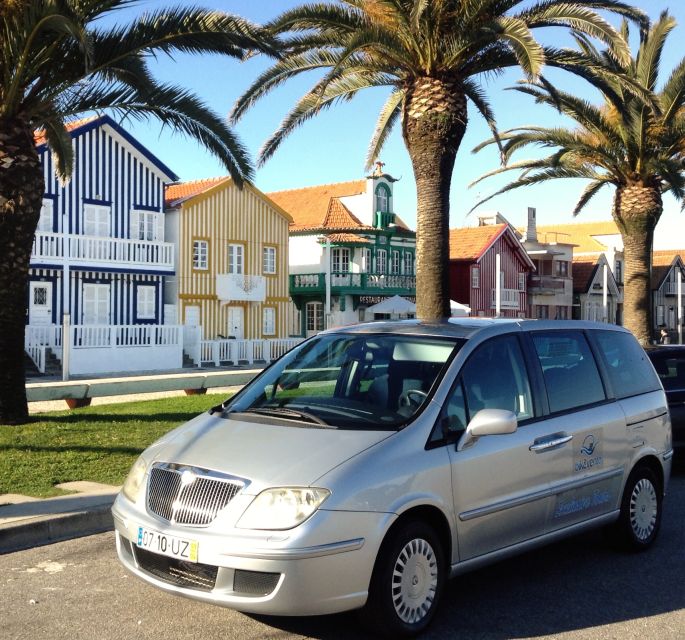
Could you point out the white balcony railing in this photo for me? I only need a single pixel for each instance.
(246, 288)
(509, 299)
(49, 248)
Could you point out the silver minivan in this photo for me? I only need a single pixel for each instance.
(372, 462)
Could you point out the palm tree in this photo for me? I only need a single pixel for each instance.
(635, 145)
(431, 56)
(56, 62)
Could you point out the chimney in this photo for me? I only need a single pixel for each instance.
(531, 229)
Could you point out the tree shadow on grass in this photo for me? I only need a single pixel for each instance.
(109, 418)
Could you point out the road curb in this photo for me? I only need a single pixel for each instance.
(46, 530)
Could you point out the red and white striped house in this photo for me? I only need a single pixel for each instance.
(473, 270)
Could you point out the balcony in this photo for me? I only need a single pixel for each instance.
(671, 288)
(546, 285)
(236, 287)
(353, 283)
(509, 299)
(144, 255)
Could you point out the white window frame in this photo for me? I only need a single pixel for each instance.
(96, 221)
(366, 265)
(522, 280)
(269, 260)
(235, 258)
(200, 255)
(340, 260)
(96, 296)
(269, 321)
(382, 199)
(146, 302)
(147, 225)
(46, 219)
(475, 277)
(381, 261)
(408, 263)
(316, 316)
(395, 262)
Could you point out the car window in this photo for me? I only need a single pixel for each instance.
(455, 410)
(495, 377)
(569, 369)
(630, 371)
(353, 381)
(671, 370)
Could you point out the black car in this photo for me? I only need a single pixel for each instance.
(669, 362)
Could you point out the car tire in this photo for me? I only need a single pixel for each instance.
(640, 519)
(407, 582)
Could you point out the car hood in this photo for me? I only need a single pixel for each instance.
(267, 455)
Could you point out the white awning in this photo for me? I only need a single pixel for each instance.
(397, 305)
(459, 310)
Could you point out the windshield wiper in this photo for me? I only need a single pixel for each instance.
(282, 412)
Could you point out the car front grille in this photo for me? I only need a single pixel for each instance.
(191, 575)
(189, 496)
(254, 583)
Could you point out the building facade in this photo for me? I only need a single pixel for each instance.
(480, 258)
(668, 302)
(100, 256)
(349, 250)
(550, 285)
(232, 260)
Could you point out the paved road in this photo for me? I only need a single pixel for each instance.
(577, 589)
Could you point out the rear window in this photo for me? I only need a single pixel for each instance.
(568, 366)
(671, 370)
(628, 366)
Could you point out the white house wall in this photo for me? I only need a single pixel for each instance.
(306, 255)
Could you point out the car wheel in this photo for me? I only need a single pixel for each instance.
(638, 524)
(407, 582)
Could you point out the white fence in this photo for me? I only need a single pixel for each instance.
(38, 339)
(126, 348)
(236, 352)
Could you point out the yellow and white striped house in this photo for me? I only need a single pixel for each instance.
(231, 260)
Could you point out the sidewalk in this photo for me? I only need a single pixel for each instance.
(29, 522)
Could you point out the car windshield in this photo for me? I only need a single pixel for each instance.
(349, 381)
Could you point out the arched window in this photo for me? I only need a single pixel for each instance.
(382, 199)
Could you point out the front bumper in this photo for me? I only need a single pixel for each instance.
(323, 566)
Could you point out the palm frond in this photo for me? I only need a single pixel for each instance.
(389, 115)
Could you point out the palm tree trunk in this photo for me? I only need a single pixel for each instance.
(21, 194)
(433, 124)
(636, 211)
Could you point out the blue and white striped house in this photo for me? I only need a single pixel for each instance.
(99, 256)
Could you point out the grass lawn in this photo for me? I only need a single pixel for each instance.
(96, 443)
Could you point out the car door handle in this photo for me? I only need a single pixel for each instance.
(550, 442)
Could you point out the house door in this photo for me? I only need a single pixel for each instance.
(96, 304)
(314, 318)
(236, 322)
(40, 303)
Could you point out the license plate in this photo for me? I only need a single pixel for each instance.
(167, 545)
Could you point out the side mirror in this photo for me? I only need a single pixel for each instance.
(488, 422)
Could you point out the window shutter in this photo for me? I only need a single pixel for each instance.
(159, 232)
(134, 231)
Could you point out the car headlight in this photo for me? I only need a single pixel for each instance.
(134, 480)
(282, 508)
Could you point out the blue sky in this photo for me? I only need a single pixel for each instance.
(332, 147)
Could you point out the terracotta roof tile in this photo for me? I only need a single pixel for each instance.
(348, 238)
(176, 193)
(311, 207)
(581, 234)
(469, 243)
(666, 257)
(39, 135)
(583, 270)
